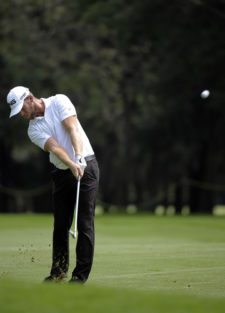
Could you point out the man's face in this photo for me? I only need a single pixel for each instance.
(28, 109)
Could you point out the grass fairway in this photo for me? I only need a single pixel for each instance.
(142, 263)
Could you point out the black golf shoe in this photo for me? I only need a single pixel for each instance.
(76, 280)
(55, 279)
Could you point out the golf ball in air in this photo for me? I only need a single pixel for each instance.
(205, 94)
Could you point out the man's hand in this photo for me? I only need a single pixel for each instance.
(79, 166)
(81, 161)
(77, 170)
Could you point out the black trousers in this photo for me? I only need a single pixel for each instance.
(64, 197)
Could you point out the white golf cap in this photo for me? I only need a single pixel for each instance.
(15, 99)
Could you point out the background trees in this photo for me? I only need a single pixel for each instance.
(135, 71)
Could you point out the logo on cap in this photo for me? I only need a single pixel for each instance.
(12, 102)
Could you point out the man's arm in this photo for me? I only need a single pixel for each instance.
(71, 126)
(51, 145)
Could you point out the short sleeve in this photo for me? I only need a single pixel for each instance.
(37, 137)
(65, 107)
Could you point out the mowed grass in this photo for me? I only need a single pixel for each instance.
(143, 263)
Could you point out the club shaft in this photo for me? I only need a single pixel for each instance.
(76, 207)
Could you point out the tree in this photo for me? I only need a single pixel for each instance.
(134, 71)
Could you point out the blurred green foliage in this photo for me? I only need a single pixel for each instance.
(134, 70)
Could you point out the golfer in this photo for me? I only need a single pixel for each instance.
(55, 128)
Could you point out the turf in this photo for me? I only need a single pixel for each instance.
(142, 263)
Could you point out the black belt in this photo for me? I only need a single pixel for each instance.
(89, 157)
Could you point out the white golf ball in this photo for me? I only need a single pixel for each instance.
(205, 94)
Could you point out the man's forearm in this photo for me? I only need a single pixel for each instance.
(76, 141)
(52, 146)
(62, 155)
(71, 125)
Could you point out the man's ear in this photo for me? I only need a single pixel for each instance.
(30, 97)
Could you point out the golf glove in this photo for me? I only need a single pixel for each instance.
(81, 161)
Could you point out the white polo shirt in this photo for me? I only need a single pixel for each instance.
(57, 109)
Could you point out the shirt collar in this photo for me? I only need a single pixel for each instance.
(46, 103)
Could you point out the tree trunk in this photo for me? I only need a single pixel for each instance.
(178, 203)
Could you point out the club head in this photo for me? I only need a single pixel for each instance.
(73, 234)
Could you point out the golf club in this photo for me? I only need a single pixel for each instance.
(74, 233)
